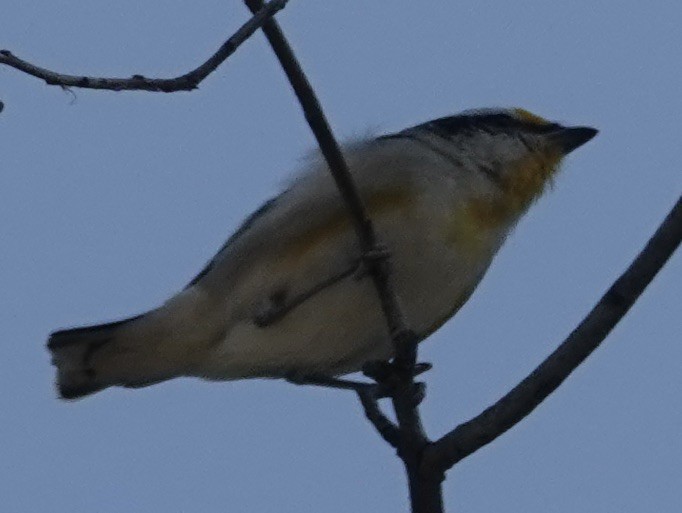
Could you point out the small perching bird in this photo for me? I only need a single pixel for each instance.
(287, 295)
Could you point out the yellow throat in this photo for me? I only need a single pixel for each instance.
(520, 186)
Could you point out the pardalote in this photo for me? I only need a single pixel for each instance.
(287, 295)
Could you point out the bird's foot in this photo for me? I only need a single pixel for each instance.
(391, 376)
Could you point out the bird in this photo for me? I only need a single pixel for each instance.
(288, 293)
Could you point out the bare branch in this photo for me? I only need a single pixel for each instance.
(527, 395)
(186, 82)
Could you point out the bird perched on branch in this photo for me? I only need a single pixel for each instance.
(287, 295)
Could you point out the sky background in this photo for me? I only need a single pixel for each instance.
(111, 202)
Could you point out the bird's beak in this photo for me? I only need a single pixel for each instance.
(570, 138)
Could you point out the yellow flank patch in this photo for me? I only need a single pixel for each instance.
(376, 204)
(470, 225)
(529, 117)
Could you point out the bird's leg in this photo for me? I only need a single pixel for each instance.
(320, 380)
(369, 395)
(278, 304)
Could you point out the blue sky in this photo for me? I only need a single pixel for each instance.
(110, 202)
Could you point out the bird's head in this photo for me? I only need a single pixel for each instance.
(516, 149)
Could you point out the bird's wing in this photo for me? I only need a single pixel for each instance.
(244, 228)
(308, 226)
(281, 254)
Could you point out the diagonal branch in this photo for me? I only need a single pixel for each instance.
(527, 395)
(375, 257)
(186, 82)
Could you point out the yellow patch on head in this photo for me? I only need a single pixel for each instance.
(529, 117)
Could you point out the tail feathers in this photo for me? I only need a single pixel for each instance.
(79, 355)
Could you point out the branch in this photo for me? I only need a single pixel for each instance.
(376, 258)
(186, 82)
(527, 395)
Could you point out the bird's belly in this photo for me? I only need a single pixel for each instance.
(434, 278)
(342, 327)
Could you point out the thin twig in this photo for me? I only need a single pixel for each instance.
(186, 82)
(386, 429)
(590, 333)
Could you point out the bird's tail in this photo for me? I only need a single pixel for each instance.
(92, 358)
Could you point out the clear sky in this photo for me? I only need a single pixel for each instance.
(110, 202)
